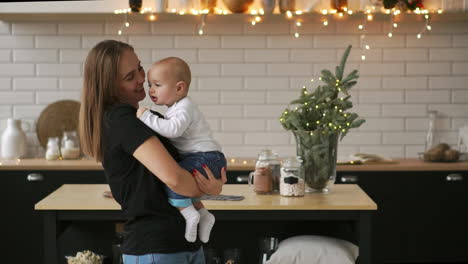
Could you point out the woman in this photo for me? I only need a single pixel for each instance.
(137, 162)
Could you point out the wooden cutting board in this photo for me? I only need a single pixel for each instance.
(57, 117)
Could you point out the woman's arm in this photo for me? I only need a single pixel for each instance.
(154, 156)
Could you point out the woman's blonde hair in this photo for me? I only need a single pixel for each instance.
(100, 91)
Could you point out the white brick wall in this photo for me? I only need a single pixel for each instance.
(244, 76)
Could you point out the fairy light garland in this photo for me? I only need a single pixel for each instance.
(257, 17)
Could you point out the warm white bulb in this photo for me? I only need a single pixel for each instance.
(428, 27)
(390, 34)
(127, 24)
(119, 32)
(324, 12)
(395, 25)
(418, 36)
(340, 14)
(296, 35)
(350, 12)
(367, 47)
(325, 23)
(253, 23)
(298, 24)
(200, 32)
(289, 14)
(258, 19)
(439, 11)
(360, 26)
(363, 57)
(426, 16)
(152, 17)
(370, 17)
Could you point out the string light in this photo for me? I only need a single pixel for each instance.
(296, 28)
(392, 24)
(362, 40)
(427, 25)
(202, 25)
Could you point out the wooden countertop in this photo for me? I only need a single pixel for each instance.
(239, 164)
(88, 164)
(341, 197)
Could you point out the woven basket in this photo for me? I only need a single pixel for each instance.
(57, 117)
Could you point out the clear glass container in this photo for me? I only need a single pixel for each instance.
(70, 145)
(431, 130)
(269, 159)
(292, 182)
(53, 149)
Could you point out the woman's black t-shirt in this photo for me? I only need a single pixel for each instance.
(153, 225)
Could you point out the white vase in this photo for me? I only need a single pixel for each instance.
(13, 140)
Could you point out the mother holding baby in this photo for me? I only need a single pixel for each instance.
(138, 163)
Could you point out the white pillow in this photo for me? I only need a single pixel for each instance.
(314, 250)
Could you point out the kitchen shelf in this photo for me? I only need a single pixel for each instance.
(229, 18)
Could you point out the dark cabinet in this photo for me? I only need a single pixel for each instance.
(421, 216)
(434, 217)
(21, 225)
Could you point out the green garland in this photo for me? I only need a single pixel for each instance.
(324, 109)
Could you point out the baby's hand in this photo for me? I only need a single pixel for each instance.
(140, 111)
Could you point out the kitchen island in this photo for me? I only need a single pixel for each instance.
(85, 202)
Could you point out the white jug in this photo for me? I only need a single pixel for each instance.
(13, 140)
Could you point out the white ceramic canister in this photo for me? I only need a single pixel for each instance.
(14, 141)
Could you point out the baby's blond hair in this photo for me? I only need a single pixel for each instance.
(181, 70)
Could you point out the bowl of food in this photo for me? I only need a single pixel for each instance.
(85, 257)
(440, 153)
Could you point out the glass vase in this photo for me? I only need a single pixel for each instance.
(318, 151)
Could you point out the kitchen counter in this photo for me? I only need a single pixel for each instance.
(90, 197)
(238, 164)
(89, 164)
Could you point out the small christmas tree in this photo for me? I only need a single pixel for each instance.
(317, 120)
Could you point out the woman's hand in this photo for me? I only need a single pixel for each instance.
(210, 186)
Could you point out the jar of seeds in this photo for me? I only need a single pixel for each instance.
(291, 182)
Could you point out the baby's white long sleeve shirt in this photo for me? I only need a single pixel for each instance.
(185, 126)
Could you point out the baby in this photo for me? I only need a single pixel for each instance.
(184, 124)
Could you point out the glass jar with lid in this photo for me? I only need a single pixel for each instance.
(53, 149)
(70, 145)
(291, 181)
(269, 159)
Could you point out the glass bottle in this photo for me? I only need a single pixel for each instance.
(53, 149)
(270, 159)
(292, 182)
(430, 134)
(70, 145)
